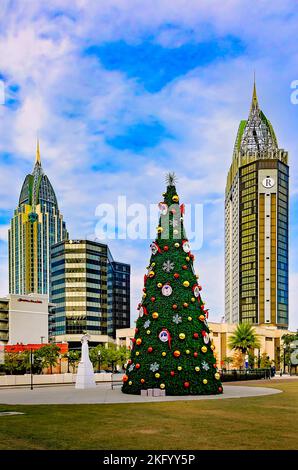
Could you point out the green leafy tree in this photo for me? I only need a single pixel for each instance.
(265, 361)
(73, 358)
(227, 361)
(172, 349)
(48, 356)
(11, 362)
(244, 339)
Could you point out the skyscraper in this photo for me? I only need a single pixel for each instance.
(90, 290)
(256, 225)
(36, 225)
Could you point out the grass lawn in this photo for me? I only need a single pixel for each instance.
(269, 422)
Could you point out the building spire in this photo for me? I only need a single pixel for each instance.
(254, 101)
(37, 159)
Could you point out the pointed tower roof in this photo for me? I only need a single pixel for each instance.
(256, 134)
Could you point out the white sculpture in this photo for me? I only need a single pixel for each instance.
(85, 375)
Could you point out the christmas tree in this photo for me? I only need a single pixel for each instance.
(172, 350)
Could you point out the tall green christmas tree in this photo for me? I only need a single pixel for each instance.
(172, 349)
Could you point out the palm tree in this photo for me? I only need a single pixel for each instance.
(244, 339)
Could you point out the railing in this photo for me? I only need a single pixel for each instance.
(244, 374)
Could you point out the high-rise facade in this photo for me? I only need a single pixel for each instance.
(90, 290)
(256, 226)
(36, 225)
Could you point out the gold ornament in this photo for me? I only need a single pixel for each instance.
(157, 375)
(187, 258)
(144, 295)
(155, 315)
(139, 341)
(217, 376)
(151, 274)
(148, 332)
(212, 347)
(186, 283)
(205, 381)
(189, 318)
(175, 198)
(130, 382)
(162, 386)
(159, 284)
(137, 353)
(159, 229)
(193, 299)
(176, 245)
(175, 231)
(182, 336)
(202, 317)
(187, 351)
(203, 349)
(163, 353)
(197, 369)
(179, 368)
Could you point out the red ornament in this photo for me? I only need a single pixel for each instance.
(202, 307)
(200, 287)
(220, 389)
(196, 335)
(165, 248)
(129, 361)
(125, 378)
(152, 299)
(204, 333)
(214, 365)
(172, 373)
(136, 330)
(145, 278)
(138, 366)
(174, 307)
(184, 266)
(195, 354)
(192, 256)
(186, 384)
(176, 275)
(185, 305)
(182, 209)
(133, 340)
(144, 289)
(142, 381)
(150, 349)
(176, 353)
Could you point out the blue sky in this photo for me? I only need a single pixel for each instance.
(121, 92)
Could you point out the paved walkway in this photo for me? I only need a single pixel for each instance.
(103, 394)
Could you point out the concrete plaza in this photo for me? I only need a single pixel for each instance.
(103, 394)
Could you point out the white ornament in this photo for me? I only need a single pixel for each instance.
(168, 266)
(154, 248)
(205, 365)
(154, 367)
(166, 290)
(177, 319)
(163, 207)
(186, 247)
(147, 324)
(206, 338)
(163, 336)
(196, 291)
(141, 311)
